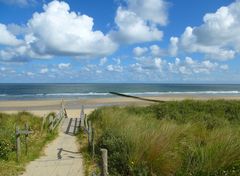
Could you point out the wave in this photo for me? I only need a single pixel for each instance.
(78, 94)
(102, 94)
(190, 92)
(56, 94)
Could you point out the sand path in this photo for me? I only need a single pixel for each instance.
(62, 157)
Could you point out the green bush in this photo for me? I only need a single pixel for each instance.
(5, 148)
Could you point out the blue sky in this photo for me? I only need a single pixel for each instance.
(163, 41)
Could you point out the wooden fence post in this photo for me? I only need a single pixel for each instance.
(82, 116)
(26, 138)
(104, 169)
(85, 121)
(93, 145)
(89, 134)
(18, 143)
(65, 113)
(62, 104)
(51, 123)
(43, 123)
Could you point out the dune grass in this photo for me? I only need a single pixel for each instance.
(37, 140)
(199, 138)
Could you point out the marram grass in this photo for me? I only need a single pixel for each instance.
(200, 138)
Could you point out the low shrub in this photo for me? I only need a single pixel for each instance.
(5, 148)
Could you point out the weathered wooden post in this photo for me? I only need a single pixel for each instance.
(93, 145)
(51, 123)
(104, 169)
(85, 121)
(65, 113)
(82, 116)
(62, 104)
(18, 143)
(89, 134)
(26, 138)
(43, 123)
(79, 125)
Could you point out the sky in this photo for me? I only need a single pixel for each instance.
(119, 41)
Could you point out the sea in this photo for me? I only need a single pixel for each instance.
(101, 90)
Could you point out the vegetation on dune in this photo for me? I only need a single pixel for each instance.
(36, 141)
(199, 138)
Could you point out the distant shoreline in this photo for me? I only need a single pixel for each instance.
(94, 95)
(101, 90)
(41, 107)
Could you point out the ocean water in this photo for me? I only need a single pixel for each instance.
(57, 91)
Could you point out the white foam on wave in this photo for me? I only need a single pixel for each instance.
(78, 94)
(235, 92)
(189, 92)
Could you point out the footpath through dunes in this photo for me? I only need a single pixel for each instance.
(62, 156)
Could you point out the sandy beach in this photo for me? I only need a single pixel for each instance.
(73, 106)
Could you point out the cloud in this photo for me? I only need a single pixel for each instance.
(138, 22)
(103, 61)
(44, 70)
(21, 3)
(133, 29)
(18, 29)
(139, 51)
(173, 48)
(224, 67)
(7, 38)
(190, 66)
(154, 51)
(7, 70)
(155, 11)
(149, 63)
(57, 31)
(20, 53)
(157, 51)
(114, 68)
(3, 69)
(117, 60)
(30, 74)
(63, 66)
(218, 37)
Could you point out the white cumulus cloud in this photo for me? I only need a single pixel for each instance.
(103, 61)
(64, 66)
(21, 3)
(157, 51)
(173, 48)
(44, 70)
(59, 31)
(218, 37)
(134, 29)
(7, 38)
(152, 10)
(139, 51)
(30, 74)
(190, 66)
(114, 68)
